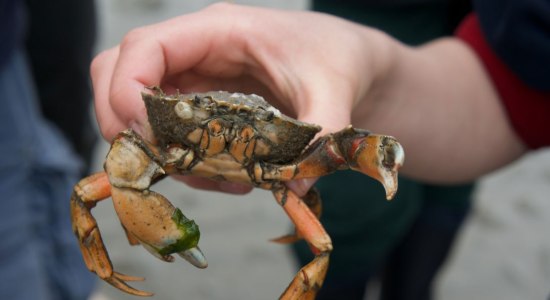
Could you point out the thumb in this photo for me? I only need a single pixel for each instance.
(301, 186)
(330, 107)
(332, 113)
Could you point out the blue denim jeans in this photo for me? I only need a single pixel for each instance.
(39, 256)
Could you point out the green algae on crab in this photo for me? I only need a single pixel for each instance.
(190, 234)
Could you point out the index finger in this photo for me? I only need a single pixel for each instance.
(151, 54)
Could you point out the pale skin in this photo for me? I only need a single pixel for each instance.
(435, 99)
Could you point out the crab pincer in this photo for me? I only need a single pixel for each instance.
(147, 217)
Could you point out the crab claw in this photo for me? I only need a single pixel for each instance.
(161, 228)
(380, 157)
(195, 257)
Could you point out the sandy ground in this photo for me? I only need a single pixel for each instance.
(503, 251)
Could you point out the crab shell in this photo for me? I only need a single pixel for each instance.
(179, 119)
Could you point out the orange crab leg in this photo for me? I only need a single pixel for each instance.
(86, 194)
(313, 202)
(310, 278)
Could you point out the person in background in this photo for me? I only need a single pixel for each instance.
(39, 256)
(59, 43)
(404, 242)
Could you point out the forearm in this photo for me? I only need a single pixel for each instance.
(439, 102)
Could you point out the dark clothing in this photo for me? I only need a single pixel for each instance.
(11, 28)
(409, 238)
(59, 43)
(528, 108)
(404, 241)
(518, 31)
(512, 38)
(39, 255)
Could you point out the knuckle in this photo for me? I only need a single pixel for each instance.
(98, 62)
(133, 36)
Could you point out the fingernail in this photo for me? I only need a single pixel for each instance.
(301, 186)
(234, 188)
(136, 127)
(143, 129)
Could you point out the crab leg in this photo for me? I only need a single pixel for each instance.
(377, 156)
(86, 194)
(310, 278)
(313, 202)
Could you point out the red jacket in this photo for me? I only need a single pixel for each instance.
(525, 91)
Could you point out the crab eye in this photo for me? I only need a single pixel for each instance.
(183, 110)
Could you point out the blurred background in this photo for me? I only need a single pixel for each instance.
(503, 250)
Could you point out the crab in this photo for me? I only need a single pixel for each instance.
(221, 136)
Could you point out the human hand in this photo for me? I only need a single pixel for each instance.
(311, 66)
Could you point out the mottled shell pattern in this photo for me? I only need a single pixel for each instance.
(174, 117)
